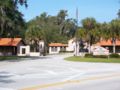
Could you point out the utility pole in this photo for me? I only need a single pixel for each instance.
(118, 14)
(76, 51)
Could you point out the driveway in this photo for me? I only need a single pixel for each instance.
(54, 73)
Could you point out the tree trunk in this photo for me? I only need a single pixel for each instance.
(114, 47)
(34, 49)
(45, 48)
(76, 48)
(89, 48)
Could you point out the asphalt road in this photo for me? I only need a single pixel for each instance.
(54, 73)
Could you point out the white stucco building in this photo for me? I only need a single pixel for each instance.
(10, 46)
(71, 45)
(55, 48)
(25, 50)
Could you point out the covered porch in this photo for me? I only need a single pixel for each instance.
(8, 50)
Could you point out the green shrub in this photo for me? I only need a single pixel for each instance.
(12, 57)
(100, 56)
(89, 55)
(95, 56)
(114, 56)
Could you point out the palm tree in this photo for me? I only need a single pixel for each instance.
(89, 24)
(69, 28)
(111, 31)
(114, 32)
(61, 20)
(81, 34)
(33, 35)
(105, 31)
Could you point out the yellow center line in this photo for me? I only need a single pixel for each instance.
(70, 82)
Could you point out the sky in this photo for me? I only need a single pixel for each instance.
(101, 10)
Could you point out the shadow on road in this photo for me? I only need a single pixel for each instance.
(27, 58)
(5, 78)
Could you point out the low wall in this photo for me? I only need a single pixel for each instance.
(34, 54)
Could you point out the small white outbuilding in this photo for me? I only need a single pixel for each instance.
(55, 48)
(25, 50)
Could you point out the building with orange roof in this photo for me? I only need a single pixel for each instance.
(57, 45)
(10, 46)
(109, 45)
(55, 48)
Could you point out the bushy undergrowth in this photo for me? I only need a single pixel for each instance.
(102, 56)
(114, 56)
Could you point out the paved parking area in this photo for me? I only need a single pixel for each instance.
(54, 73)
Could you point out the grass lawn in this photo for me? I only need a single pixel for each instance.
(11, 57)
(104, 60)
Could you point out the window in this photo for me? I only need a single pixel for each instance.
(23, 50)
(54, 49)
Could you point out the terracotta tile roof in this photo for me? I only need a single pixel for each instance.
(58, 45)
(108, 43)
(9, 41)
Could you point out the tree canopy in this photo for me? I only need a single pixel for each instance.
(56, 28)
(11, 20)
(93, 31)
